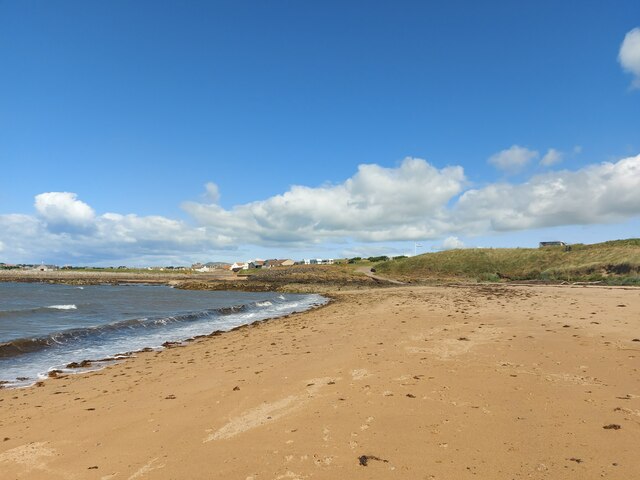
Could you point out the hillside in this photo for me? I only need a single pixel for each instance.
(615, 262)
(308, 277)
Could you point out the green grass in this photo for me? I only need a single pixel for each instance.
(613, 262)
(250, 272)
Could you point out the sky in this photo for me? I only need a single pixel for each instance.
(168, 132)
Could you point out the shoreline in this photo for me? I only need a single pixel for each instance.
(286, 280)
(73, 366)
(283, 281)
(70, 277)
(412, 379)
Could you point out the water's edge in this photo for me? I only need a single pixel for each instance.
(94, 364)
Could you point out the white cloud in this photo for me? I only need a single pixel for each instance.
(376, 204)
(63, 211)
(629, 55)
(452, 243)
(513, 159)
(67, 228)
(552, 157)
(212, 192)
(603, 193)
(412, 202)
(416, 201)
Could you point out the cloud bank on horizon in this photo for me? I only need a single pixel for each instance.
(412, 202)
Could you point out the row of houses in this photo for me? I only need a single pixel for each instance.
(210, 266)
(29, 267)
(237, 266)
(317, 261)
(274, 262)
(197, 267)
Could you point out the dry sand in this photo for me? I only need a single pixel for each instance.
(415, 382)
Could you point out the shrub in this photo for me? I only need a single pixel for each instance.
(488, 277)
(382, 258)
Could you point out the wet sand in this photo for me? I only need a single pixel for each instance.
(409, 382)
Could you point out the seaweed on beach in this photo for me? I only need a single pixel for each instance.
(364, 459)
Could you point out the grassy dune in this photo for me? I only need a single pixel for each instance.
(614, 262)
(299, 275)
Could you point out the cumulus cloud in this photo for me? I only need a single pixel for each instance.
(417, 201)
(411, 202)
(63, 211)
(629, 55)
(376, 204)
(452, 243)
(602, 193)
(65, 227)
(552, 157)
(212, 192)
(512, 160)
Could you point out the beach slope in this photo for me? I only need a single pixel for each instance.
(404, 382)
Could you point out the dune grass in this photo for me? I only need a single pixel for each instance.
(614, 262)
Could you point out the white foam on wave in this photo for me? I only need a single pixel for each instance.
(63, 307)
(264, 304)
(123, 340)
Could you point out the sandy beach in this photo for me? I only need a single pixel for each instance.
(493, 382)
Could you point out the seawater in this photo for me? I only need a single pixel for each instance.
(45, 327)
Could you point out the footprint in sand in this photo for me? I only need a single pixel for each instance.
(367, 423)
(290, 476)
(359, 374)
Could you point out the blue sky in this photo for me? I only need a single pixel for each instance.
(114, 116)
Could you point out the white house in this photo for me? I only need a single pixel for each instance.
(318, 261)
(237, 266)
(553, 244)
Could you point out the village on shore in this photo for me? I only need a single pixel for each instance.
(235, 267)
(196, 267)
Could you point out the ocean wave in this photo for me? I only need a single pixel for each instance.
(22, 346)
(63, 307)
(35, 356)
(22, 312)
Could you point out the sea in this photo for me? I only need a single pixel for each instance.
(46, 327)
